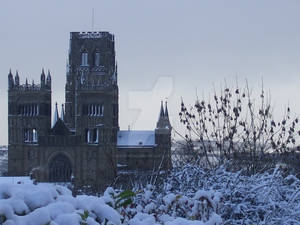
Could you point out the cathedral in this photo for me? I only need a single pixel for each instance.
(83, 143)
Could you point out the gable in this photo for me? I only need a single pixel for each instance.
(60, 128)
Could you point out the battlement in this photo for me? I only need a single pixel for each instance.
(14, 83)
(92, 35)
(28, 87)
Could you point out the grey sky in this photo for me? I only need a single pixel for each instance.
(191, 44)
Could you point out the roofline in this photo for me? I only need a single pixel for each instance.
(136, 146)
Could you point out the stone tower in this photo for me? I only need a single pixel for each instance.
(91, 106)
(91, 86)
(29, 118)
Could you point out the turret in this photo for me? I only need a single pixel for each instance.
(161, 118)
(166, 118)
(17, 79)
(43, 79)
(26, 83)
(48, 81)
(10, 80)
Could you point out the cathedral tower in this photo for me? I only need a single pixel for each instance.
(29, 118)
(91, 106)
(91, 88)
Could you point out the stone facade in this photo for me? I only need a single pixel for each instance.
(84, 143)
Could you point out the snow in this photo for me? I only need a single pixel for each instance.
(136, 138)
(104, 211)
(188, 196)
(16, 180)
(29, 204)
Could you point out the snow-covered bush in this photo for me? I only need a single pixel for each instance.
(263, 198)
(45, 204)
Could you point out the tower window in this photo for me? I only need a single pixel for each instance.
(88, 136)
(30, 136)
(34, 136)
(84, 59)
(26, 135)
(101, 109)
(96, 135)
(29, 109)
(93, 109)
(97, 59)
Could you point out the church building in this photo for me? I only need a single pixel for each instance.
(84, 142)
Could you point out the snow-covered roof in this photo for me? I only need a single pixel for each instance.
(136, 138)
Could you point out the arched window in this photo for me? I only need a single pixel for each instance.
(101, 109)
(26, 135)
(97, 58)
(84, 59)
(96, 135)
(88, 136)
(34, 136)
(94, 110)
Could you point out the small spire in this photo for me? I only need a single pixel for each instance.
(17, 78)
(48, 76)
(43, 78)
(166, 110)
(10, 80)
(10, 76)
(56, 117)
(167, 121)
(161, 117)
(32, 82)
(48, 81)
(62, 112)
(26, 83)
(161, 114)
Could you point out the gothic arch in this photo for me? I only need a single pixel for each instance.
(60, 168)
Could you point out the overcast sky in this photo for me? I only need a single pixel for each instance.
(165, 49)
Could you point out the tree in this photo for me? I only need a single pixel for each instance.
(231, 128)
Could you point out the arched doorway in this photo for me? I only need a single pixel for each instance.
(60, 169)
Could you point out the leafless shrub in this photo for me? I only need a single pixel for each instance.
(231, 127)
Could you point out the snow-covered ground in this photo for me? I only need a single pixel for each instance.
(15, 180)
(188, 196)
(46, 204)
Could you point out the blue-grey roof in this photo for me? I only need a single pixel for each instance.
(136, 138)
